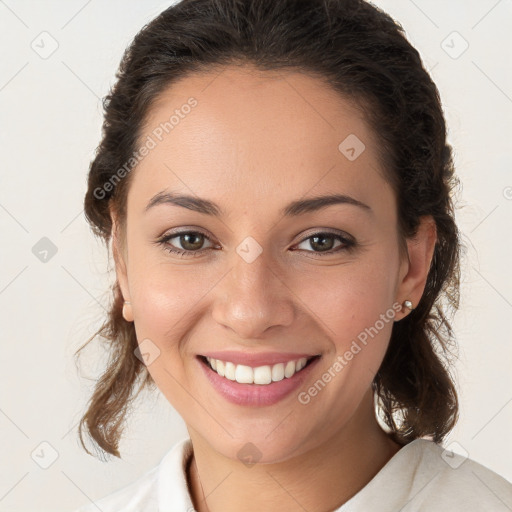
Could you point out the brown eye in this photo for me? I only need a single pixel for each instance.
(326, 243)
(322, 243)
(186, 243)
(191, 241)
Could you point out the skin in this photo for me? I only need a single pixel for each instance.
(255, 142)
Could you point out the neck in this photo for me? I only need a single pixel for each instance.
(319, 480)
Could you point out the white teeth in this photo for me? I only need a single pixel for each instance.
(219, 367)
(289, 369)
(278, 372)
(260, 375)
(244, 374)
(301, 363)
(229, 371)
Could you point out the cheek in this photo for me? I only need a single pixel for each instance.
(167, 298)
(348, 300)
(349, 297)
(168, 306)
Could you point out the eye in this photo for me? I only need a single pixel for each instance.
(190, 243)
(325, 243)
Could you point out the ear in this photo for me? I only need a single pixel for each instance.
(414, 272)
(120, 258)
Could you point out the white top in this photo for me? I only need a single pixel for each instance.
(422, 476)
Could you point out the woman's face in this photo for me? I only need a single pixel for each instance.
(255, 279)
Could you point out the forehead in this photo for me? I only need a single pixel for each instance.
(253, 133)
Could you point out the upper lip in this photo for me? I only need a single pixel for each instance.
(257, 359)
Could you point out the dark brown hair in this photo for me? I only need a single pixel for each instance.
(364, 55)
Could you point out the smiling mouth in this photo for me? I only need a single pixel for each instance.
(260, 375)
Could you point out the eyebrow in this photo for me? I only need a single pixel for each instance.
(298, 207)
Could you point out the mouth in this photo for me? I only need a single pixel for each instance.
(256, 386)
(262, 375)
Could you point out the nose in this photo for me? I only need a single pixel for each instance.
(252, 298)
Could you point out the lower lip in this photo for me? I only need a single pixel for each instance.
(256, 394)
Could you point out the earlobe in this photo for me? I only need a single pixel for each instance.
(420, 251)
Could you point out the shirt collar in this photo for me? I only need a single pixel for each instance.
(173, 493)
(384, 492)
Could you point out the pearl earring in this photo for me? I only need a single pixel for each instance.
(125, 316)
(408, 304)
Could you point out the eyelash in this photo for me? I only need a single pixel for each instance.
(348, 245)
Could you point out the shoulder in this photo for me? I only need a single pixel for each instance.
(146, 493)
(449, 481)
(424, 476)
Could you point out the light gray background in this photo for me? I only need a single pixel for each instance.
(50, 119)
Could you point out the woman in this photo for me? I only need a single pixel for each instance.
(276, 184)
